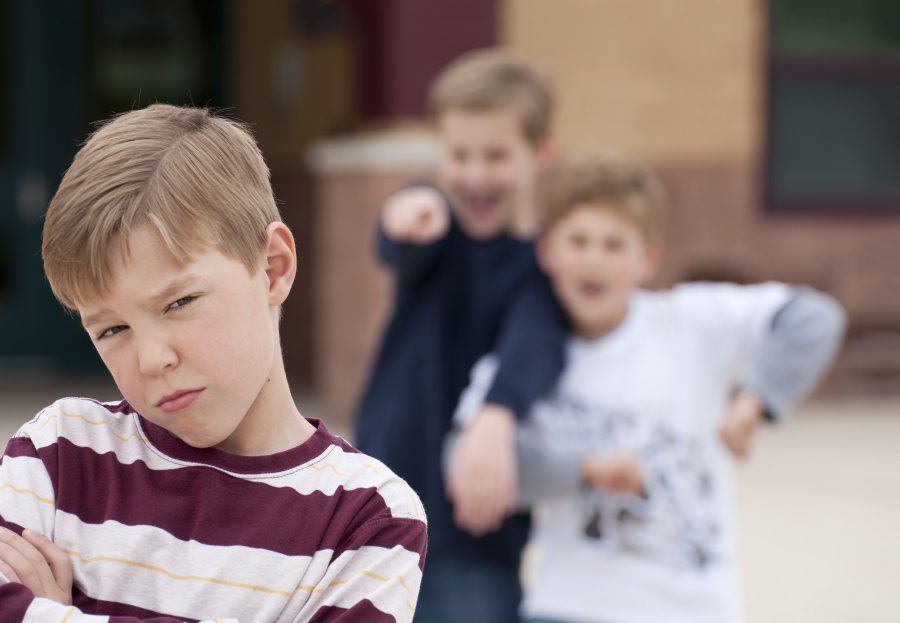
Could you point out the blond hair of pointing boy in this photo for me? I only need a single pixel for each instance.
(462, 255)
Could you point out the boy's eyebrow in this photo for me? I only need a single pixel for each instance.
(155, 300)
(90, 319)
(171, 290)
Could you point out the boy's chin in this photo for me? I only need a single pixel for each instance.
(200, 442)
(201, 439)
(597, 324)
(482, 227)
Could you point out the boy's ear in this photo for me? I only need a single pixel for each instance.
(280, 262)
(546, 153)
(656, 251)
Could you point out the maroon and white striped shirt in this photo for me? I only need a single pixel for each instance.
(160, 531)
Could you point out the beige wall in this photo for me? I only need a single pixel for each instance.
(666, 80)
(682, 85)
(352, 291)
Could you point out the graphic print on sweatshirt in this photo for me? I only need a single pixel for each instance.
(674, 521)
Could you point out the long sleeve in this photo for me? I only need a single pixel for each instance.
(530, 349)
(18, 605)
(374, 579)
(28, 500)
(27, 495)
(798, 348)
(410, 262)
(376, 576)
(542, 471)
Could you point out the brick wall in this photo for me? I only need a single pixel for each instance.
(351, 292)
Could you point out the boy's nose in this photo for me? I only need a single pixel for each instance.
(475, 175)
(597, 258)
(156, 356)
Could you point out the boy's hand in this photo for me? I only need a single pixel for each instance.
(36, 562)
(482, 480)
(417, 214)
(616, 473)
(739, 428)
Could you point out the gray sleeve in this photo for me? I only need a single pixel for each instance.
(542, 471)
(802, 341)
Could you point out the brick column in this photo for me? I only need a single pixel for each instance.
(403, 43)
(351, 292)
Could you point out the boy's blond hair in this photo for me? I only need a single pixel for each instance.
(198, 180)
(494, 79)
(609, 182)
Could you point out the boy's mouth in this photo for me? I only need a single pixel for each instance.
(178, 400)
(591, 289)
(481, 205)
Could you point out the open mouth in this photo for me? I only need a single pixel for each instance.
(481, 206)
(591, 290)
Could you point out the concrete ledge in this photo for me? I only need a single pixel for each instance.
(389, 151)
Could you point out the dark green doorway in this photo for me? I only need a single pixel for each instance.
(63, 65)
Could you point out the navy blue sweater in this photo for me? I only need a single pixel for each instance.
(457, 299)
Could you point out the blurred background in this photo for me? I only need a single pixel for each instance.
(775, 124)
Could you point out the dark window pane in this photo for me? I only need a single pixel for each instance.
(836, 139)
(834, 100)
(146, 51)
(835, 26)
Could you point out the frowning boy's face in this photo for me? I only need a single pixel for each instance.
(190, 346)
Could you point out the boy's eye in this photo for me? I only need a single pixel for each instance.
(615, 244)
(495, 155)
(460, 155)
(183, 301)
(578, 241)
(111, 331)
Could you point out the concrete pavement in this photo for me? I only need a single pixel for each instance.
(818, 505)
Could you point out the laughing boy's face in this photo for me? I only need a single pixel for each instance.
(487, 167)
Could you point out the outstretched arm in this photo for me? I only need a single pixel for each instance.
(801, 342)
(529, 357)
(530, 349)
(412, 230)
(544, 471)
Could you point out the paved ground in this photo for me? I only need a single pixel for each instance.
(819, 511)
(819, 506)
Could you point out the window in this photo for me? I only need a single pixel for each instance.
(834, 106)
(146, 51)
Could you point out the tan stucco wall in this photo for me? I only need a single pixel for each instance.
(666, 80)
(683, 86)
